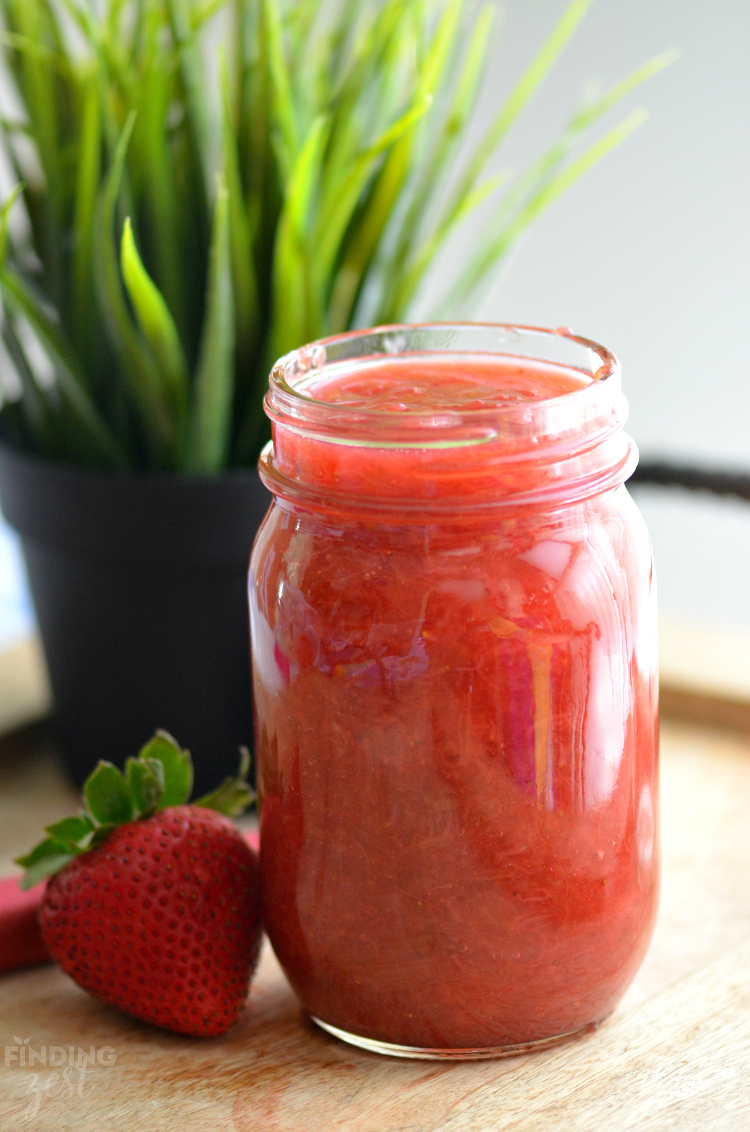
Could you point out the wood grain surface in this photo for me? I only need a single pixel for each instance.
(675, 1055)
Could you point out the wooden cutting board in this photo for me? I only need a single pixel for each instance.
(675, 1055)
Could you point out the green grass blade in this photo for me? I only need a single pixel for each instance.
(5, 212)
(243, 267)
(192, 66)
(294, 318)
(114, 12)
(32, 48)
(83, 19)
(520, 95)
(531, 186)
(253, 100)
(68, 372)
(70, 381)
(138, 367)
(283, 103)
(541, 173)
(350, 81)
(214, 380)
(39, 92)
(471, 71)
(490, 255)
(162, 190)
(106, 44)
(309, 56)
(430, 178)
(589, 114)
(35, 412)
(443, 40)
(373, 86)
(53, 28)
(202, 13)
(392, 178)
(156, 322)
(12, 126)
(396, 299)
(342, 199)
(365, 57)
(87, 184)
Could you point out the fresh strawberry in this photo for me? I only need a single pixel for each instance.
(153, 905)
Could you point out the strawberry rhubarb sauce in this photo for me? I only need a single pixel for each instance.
(453, 656)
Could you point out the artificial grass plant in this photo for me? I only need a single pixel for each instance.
(203, 185)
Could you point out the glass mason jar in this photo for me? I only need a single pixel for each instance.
(453, 643)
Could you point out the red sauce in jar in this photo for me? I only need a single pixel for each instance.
(455, 705)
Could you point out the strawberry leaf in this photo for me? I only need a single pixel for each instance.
(46, 858)
(178, 768)
(234, 795)
(160, 777)
(100, 834)
(108, 796)
(43, 869)
(70, 832)
(146, 782)
(231, 798)
(45, 848)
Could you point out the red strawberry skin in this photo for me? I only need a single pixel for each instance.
(162, 920)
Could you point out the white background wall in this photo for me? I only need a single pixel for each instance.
(650, 254)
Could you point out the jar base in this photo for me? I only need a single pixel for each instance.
(479, 1054)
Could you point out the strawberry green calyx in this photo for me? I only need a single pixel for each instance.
(161, 776)
(234, 795)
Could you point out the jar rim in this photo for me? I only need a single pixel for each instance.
(520, 452)
(287, 403)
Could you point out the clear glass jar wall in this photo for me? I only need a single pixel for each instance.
(453, 642)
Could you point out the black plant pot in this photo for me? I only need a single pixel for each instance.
(139, 586)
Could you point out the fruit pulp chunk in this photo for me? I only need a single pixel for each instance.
(456, 737)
